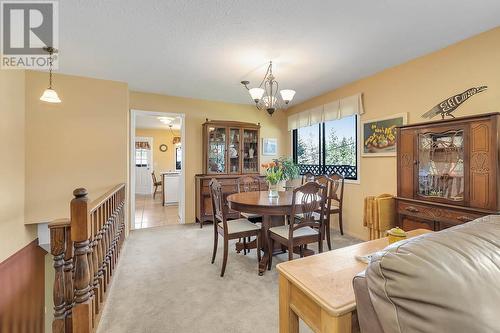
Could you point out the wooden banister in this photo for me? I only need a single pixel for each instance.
(86, 248)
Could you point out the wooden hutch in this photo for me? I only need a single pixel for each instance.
(230, 149)
(448, 172)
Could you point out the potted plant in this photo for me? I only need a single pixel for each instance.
(290, 169)
(277, 171)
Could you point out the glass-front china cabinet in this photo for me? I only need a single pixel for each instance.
(448, 171)
(230, 149)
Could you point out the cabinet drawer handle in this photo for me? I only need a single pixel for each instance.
(412, 209)
(464, 218)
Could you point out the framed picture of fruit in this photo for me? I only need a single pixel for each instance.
(379, 135)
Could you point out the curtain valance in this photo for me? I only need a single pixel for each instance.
(331, 111)
(142, 145)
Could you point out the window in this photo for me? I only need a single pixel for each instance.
(141, 157)
(329, 147)
(178, 158)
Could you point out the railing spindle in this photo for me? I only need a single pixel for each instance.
(57, 249)
(68, 279)
(95, 263)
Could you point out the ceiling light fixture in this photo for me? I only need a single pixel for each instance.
(266, 95)
(166, 120)
(50, 95)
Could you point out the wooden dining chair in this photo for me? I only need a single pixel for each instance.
(156, 183)
(307, 177)
(233, 229)
(306, 200)
(249, 184)
(337, 198)
(328, 183)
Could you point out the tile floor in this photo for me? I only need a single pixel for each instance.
(150, 213)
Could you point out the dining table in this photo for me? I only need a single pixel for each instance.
(273, 210)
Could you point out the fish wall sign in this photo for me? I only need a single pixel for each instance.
(446, 107)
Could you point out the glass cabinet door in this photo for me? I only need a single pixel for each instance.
(441, 165)
(250, 151)
(216, 154)
(234, 150)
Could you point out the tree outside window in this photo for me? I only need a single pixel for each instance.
(329, 147)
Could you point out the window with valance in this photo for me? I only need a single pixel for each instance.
(325, 138)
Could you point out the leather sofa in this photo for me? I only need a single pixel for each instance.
(448, 281)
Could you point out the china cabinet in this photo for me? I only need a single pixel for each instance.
(448, 172)
(230, 149)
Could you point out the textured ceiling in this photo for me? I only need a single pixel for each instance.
(203, 49)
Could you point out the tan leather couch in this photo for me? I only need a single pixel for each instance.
(448, 281)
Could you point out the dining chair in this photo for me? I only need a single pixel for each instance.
(328, 192)
(232, 229)
(337, 198)
(307, 177)
(306, 200)
(156, 183)
(249, 184)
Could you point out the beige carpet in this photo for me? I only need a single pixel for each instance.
(165, 283)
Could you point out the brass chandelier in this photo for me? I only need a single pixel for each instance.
(266, 95)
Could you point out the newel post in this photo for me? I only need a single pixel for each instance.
(80, 235)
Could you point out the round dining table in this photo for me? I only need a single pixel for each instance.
(273, 212)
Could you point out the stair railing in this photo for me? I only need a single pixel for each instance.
(86, 248)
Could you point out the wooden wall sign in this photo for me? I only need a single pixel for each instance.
(446, 107)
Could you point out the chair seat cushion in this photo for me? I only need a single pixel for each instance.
(239, 225)
(283, 231)
(250, 215)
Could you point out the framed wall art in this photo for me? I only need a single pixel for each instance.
(379, 135)
(269, 146)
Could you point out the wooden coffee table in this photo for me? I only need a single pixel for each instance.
(319, 290)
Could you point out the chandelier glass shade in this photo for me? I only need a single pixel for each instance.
(266, 95)
(50, 95)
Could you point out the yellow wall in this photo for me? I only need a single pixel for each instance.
(415, 87)
(162, 161)
(13, 233)
(196, 112)
(81, 142)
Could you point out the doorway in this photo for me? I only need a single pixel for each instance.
(157, 177)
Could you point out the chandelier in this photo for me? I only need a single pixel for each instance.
(50, 95)
(266, 95)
